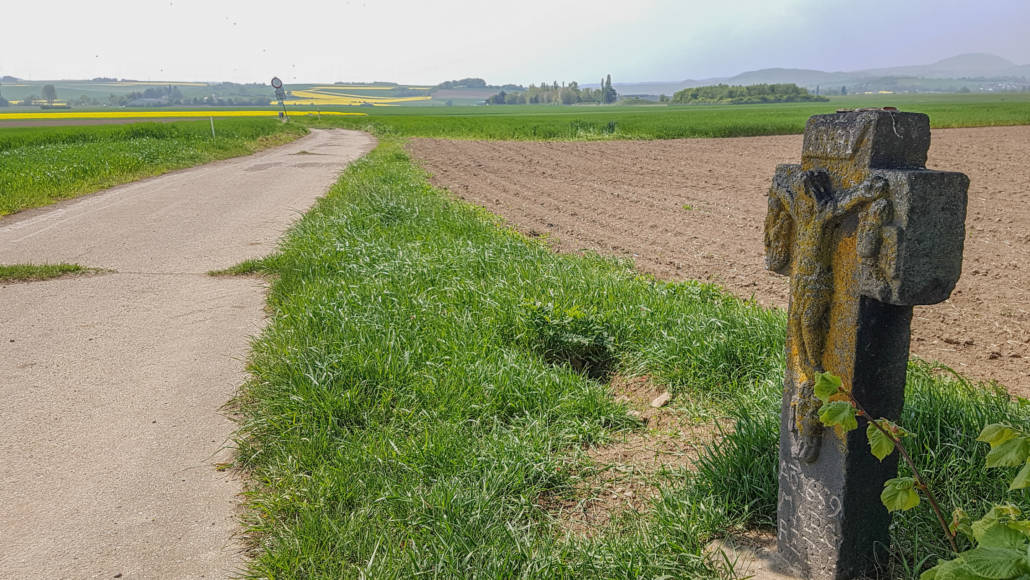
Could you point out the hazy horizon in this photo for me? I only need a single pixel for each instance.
(419, 43)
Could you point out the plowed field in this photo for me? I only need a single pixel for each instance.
(694, 208)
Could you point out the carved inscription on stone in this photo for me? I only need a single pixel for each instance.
(812, 513)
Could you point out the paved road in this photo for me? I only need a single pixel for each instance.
(110, 385)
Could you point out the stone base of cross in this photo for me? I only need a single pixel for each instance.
(865, 232)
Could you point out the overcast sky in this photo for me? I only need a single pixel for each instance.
(523, 41)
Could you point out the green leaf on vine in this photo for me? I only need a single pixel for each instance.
(949, 570)
(996, 434)
(879, 444)
(1001, 535)
(1011, 453)
(960, 522)
(1021, 526)
(1022, 479)
(826, 386)
(900, 494)
(988, 562)
(839, 413)
(998, 515)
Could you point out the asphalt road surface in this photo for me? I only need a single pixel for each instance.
(111, 385)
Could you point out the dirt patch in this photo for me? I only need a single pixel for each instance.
(694, 208)
(629, 473)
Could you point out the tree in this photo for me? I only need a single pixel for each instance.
(50, 94)
(608, 94)
(843, 90)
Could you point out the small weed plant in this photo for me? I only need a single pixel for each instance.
(1000, 540)
(574, 337)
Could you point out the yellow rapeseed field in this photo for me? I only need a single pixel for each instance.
(334, 95)
(354, 88)
(156, 114)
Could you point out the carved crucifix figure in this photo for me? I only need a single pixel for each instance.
(807, 219)
(865, 232)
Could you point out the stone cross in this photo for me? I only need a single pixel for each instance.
(865, 232)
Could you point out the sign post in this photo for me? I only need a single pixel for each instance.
(280, 94)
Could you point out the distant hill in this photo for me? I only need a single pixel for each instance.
(975, 72)
(975, 65)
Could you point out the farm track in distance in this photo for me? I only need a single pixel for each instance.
(694, 209)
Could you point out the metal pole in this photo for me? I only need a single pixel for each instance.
(212, 126)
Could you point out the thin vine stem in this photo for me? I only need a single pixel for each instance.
(920, 481)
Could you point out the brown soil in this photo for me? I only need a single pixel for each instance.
(628, 474)
(694, 208)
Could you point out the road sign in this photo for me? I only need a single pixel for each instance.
(280, 94)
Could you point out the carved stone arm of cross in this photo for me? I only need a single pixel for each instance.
(866, 192)
(782, 194)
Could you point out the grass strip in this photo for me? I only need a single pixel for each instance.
(41, 165)
(429, 375)
(37, 272)
(247, 268)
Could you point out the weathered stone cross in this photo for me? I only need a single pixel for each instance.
(865, 232)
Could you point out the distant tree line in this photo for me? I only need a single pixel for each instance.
(469, 83)
(741, 95)
(49, 95)
(555, 94)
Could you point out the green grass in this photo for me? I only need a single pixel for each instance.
(414, 398)
(41, 165)
(670, 122)
(944, 412)
(246, 268)
(37, 272)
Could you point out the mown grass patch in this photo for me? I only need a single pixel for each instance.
(38, 272)
(41, 165)
(417, 393)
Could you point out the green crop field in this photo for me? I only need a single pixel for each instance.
(671, 122)
(41, 165)
(44, 164)
(415, 406)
